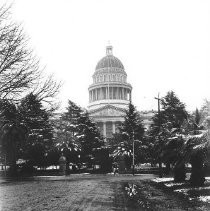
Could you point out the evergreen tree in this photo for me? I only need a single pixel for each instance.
(180, 139)
(66, 142)
(90, 138)
(39, 141)
(71, 116)
(12, 134)
(132, 126)
(79, 135)
(130, 131)
(173, 111)
(197, 117)
(205, 110)
(165, 130)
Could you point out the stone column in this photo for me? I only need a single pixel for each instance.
(98, 93)
(114, 93)
(93, 96)
(113, 127)
(123, 93)
(104, 129)
(104, 93)
(101, 93)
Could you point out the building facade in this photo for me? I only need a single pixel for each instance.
(109, 94)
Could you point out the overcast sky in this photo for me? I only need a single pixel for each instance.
(163, 45)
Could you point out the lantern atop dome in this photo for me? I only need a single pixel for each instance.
(109, 50)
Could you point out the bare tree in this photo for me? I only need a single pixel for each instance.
(19, 68)
(46, 89)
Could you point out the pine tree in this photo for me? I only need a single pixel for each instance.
(90, 138)
(79, 135)
(173, 111)
(132, 126)
(197, 117)
(66, 142)
(205, 110)
(165, 130)
(39, 141)
(131, 130)
(12, 134)
(71, 116)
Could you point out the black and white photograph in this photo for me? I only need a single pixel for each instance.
(104, 105)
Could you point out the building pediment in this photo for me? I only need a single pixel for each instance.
(108, 110)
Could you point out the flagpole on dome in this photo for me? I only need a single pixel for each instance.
(108, 52)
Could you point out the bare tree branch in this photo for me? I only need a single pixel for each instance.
(47, 89)
(19, 68)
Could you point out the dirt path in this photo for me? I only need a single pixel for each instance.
(83, 192)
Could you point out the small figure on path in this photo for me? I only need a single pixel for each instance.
(115, 168)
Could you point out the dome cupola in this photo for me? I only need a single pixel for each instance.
(109, 61)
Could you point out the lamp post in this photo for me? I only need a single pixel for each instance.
(133, 163)
(159, 125)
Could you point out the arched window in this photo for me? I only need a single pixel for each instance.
(117, 77)
(114, 77)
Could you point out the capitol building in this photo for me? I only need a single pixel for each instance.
(109, 94)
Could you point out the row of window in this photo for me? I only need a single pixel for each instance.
(109, 77)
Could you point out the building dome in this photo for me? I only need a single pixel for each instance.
(109, 94)
(109, 61)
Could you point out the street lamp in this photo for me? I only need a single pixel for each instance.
(133, 163)
(159, 125)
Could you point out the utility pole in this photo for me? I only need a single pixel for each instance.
(159, 125)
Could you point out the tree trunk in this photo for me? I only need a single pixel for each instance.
(179, 172)
(12, 155)
(160, 169)
(67, 167)
(197, 173)
(168, 168)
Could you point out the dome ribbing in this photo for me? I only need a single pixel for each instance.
(109, 61)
